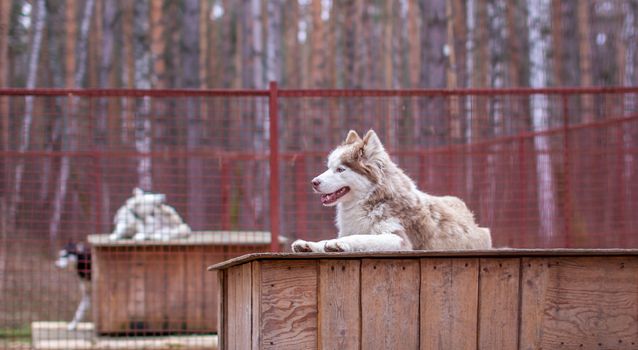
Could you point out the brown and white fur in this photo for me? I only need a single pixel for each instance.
(379, 207)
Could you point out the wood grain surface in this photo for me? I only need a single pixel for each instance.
(580, 303)
(239, 308)
(449, 303)
(499, 301)
(339, 304)
(288, 305)
(389, 304)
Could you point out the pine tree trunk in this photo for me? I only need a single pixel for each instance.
(72, 122)
(190, 78)
(39, 16)
(433, 70)
(469, 82)
(158, 45)
(497, 40)
(291, 68)
(539, 45)
(557, 42)
(5, 16)
(585, 51)
(630, 103)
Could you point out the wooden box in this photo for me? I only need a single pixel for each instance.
(499, 299)
(155, 287)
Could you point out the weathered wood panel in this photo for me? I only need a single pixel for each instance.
(288, 305)
(222, 314)
(239, 307)
(389, 304)
(339, 317)
(156, 317)
(449, 303)
(194, 287)
(151, 287)
(576, 303)
(257, 302)
(496, 301)
(499, 300)
(176, 279)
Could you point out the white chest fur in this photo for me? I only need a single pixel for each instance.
(356, 219)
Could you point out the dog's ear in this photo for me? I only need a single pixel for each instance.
(371, 144)
(352, 137)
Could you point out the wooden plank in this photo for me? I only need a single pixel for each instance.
(288, 305)
(156, 314)
(389, 304)
(518, 253)
(239, 307)
(115, 295)
(175, 292)
(98, 274)
(449, 303)
(211, 286)
(222, 315)
(256, 299)
(499, 303)
(339, 304)
(194, 286)
(577, 303)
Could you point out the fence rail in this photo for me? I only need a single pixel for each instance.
(498, 120)
(542, 168)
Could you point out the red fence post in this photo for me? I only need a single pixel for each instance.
(274, 167)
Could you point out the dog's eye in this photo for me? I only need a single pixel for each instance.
(341, 169)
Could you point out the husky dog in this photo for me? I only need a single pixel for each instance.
(77, 256)
(147, 216)
(379, 207)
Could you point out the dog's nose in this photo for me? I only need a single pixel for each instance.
(316, 183)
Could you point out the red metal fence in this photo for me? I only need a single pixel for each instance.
(541, 168)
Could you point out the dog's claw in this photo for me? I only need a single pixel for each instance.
(301, 246)
(335, 247)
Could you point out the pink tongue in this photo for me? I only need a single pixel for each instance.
(328, 197)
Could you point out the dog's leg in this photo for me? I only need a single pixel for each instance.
(301, 246)
(354, 243)
(84, 305)
(367, 243)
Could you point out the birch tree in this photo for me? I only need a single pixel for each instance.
(70, 143)
(539, 45)
(273, 41)
(141, 52)
(39, 17)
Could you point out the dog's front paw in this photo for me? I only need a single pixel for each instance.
(141, 236)
(114, 237)
(72, 326)
(336, 246)
(301, 246)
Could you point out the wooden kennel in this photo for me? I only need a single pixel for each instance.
(156, 287)
(498, 299)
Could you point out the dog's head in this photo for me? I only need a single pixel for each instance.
(69, 254)
(144, 203)
(354, 169)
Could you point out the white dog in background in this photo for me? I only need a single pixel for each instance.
(379, 207)
(146, 216)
